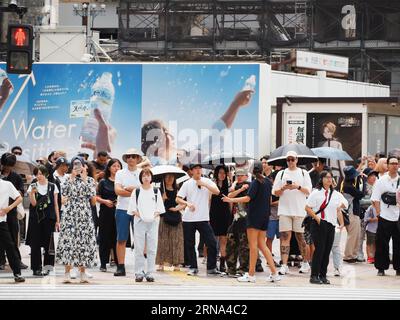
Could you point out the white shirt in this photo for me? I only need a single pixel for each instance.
(292, 202)
(7, 191)
(386, 184)
(146, 204)
(199, 197)
(61, 178)
(42, 189)
(317, 198)
(126, 178)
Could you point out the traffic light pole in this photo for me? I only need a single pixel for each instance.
(18, 10)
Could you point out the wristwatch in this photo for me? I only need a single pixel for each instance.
(299, 188)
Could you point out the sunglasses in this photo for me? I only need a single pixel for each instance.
(18, 153)
(132, 156)
(290, 159)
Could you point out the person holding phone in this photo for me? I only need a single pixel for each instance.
(292, 186)
(77, 240)
(44, 219)
(107, 198)
(220, 213)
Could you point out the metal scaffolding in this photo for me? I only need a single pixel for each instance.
(367, 31)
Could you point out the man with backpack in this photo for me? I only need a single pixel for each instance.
(146, 205)
(292, 185)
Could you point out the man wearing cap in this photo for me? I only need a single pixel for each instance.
(61, 169)
(60, 176)
(237, 245)
(126, 181)
(197, 191)
(369, 177)
(292, 186)
(353, 189)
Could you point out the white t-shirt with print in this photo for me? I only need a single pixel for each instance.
(199, 197)
(317, 198)
(7, 191)
(386, 184)
(126, 178)
(146, 204)
(61, 178)
(292, 202)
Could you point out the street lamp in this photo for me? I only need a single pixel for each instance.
(88, 11)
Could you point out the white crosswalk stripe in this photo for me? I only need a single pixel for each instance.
(178, 292)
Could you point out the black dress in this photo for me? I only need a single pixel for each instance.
(220, 214)
(40, 230)
(260, 204)
(106, 222)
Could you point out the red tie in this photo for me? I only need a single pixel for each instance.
(323, 205)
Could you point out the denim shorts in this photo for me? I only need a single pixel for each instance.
(123, 221)
(273, 229)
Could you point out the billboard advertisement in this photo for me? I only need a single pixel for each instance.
(337, 130)
(55, 109)
(198, 108)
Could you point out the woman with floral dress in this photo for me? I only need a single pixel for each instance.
(77, 240)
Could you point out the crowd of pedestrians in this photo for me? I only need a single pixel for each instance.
(99, 208)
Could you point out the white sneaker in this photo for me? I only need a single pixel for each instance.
(204, 261)
(67, 278)
(84, 277)
(48, 268)
(274, 277)
(74, 274)
(336, 273)
(305, 267)
(247, 278)
(89, 275)
(284, 270)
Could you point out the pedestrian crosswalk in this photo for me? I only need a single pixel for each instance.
(194, 292)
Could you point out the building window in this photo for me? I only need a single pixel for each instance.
(376, 134)
(393, 133)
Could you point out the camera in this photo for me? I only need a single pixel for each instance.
(289, 182)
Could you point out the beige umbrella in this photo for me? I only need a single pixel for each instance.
(24, 166)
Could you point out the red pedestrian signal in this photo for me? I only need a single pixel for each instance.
(20, 37)
(20, 49)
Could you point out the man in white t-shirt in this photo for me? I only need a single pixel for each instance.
(388, 215)
(126, 181)
(61, 170)
(197, 192)
(7, 191)
(146, 204)
(292, 186)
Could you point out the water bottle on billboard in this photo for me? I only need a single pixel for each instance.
(102, 98)
(250, 84)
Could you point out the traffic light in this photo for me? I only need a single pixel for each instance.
(20, 48)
